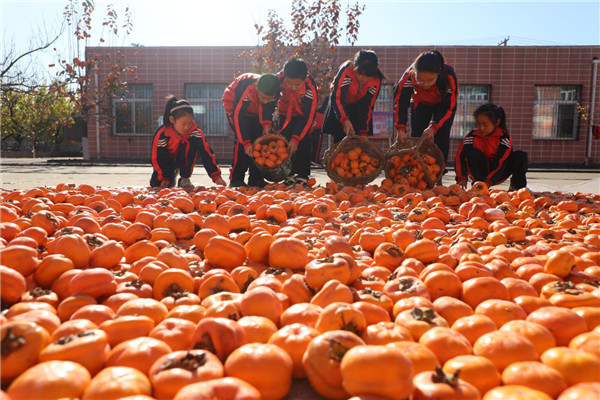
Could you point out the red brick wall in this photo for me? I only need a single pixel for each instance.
(512, 73)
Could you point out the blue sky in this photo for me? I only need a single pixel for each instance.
(384, 22)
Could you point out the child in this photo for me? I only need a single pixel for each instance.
(249, 103)
(297, 109)
(354, 91)
(176, 146)
(430, 86)
(486, 153)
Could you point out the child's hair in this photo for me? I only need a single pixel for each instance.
(433, 61)
(366, 63)
(295, 68)
(176, 108)
(269, 84)
(494, 112)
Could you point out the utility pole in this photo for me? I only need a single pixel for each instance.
(504, 42)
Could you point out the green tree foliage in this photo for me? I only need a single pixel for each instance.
(35, 117)
(316, 29)
(25, 93)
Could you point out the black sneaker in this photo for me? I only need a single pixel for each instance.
(236, 184)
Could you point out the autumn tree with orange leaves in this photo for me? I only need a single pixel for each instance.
(317, 27)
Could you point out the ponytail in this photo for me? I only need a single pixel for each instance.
(433, 61)
(176, 108)
(366, 63)
(494, 112)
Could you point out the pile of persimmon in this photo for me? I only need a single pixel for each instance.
(354, 162)
(405, 169)
(270, 153)
(377, 291)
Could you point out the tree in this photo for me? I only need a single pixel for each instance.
(35, 117)
(78, 71)
(314, 35)
(74, 85)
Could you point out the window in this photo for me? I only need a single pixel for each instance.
(555, 112)
(469, 98)
(209, 113)
(383, 117)
(133, 111)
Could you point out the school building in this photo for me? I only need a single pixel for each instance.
(546, 91)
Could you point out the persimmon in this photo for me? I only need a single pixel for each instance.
(476, 370)
(51, 380)
(505, 348)
(535, 375)
(178, 369)
(87, 348)
(377, 369)
(228, 388)
(23, 341)
(322, 361)
(267, 367)
(117, 382)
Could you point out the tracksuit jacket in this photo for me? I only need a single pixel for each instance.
(171, 151)
(408, 90)
(240, 101)
(496, 148)
(346, 90)
(300, 105)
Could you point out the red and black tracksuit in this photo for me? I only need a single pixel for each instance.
(247, 117)
(349, 100)
(490, 159)
(431, 108)
(297, 110)
(172, 152)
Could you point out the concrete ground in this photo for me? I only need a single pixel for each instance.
(25, 173)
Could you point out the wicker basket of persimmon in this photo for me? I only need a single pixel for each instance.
(271, 156)
(415, 162)
(354, 161)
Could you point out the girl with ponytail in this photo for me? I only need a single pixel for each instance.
(430, 88)
(354, 91)
(176, 145)
(486, 153)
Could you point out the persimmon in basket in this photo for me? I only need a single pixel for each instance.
(270, 154)
(406, 170)
(355, 162)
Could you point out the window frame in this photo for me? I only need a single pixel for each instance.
(206, 103)
(556, 103)
(462, 105)
(129, 98)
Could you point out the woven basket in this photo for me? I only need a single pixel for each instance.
(281, 171)
(345, 145)
(418, 146)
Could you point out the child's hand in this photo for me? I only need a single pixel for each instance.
(462, 184)
(266, 129)
(220, 181)
(292, 147)
(401, 135)
(248, 151)
(348, 128)
(428, 133)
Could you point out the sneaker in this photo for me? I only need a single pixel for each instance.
(290, 181)
(315, 165)
(301, 181)
(185, 183)
(237, 184)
